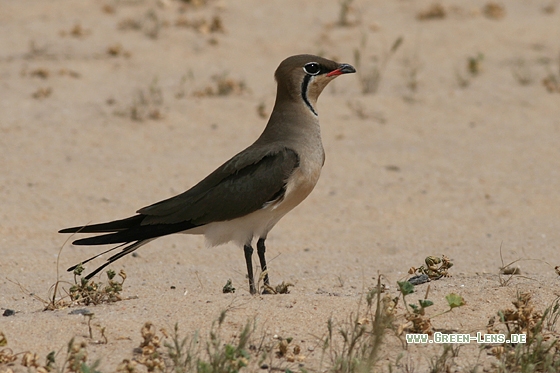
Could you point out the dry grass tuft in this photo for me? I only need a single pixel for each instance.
(494, 10)
(435, 11)
(540, 352)
(223, 86)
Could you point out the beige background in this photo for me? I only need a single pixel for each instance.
(445, 169)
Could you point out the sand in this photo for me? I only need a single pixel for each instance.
(109, 106)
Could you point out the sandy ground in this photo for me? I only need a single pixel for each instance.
(101, 113)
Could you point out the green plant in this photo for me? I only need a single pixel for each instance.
(418, 322)
(444, 362)
(181, 352)
(86, 292)
(355, 345)
(186, 355)
(228, 357)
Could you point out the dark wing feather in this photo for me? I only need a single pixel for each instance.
(241, 186)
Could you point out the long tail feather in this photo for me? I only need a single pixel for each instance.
(136, 233)
(95, 256)
(125, 251)
(112, 226)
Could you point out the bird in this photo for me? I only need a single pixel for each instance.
(244, 198)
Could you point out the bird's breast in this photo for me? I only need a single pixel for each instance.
(258, 223)
(302, 181)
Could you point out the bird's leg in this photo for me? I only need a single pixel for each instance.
(261, 250)
(248, 258)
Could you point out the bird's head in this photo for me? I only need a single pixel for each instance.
(303, 77)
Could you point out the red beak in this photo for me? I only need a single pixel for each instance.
(343, 69)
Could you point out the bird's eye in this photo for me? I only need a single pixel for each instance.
(312, 68)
